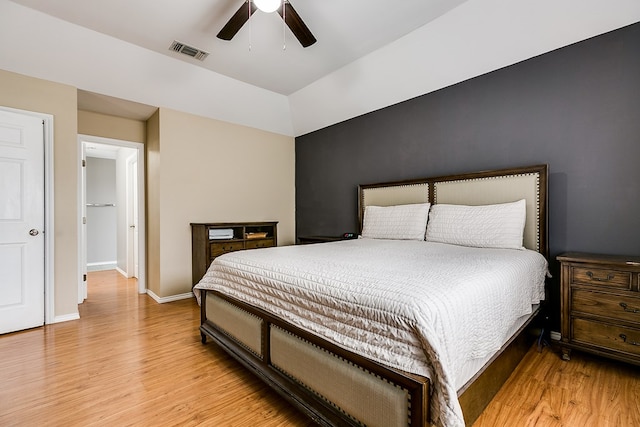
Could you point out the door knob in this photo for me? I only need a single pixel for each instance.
(33, 232)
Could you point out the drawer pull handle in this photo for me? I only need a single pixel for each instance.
(629, 310)
(600, 279)
(624, 339)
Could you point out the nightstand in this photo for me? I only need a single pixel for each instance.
(600, 305)
(304, 240)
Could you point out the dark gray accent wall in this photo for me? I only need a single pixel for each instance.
(576, 109)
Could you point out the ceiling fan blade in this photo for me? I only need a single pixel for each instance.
(236, 22)
(296, 25)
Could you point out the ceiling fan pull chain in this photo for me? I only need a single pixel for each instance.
(249, 19)
(284, 25)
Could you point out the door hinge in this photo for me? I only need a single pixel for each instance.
(84, 219)
(84, 163)
(84, 277)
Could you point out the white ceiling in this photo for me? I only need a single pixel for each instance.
(345, 30)
(370, 53)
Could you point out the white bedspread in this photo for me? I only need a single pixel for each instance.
(416, 306)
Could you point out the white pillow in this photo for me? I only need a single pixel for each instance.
(488, 226)
(402, 222)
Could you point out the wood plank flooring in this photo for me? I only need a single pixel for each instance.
(131, 361)
(546, 391)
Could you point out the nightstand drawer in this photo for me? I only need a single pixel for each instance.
(617, 338)
(606, 305)
(261, 243)
(220, 248)
(601, 277)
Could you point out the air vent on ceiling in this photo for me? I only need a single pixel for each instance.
(191, 51)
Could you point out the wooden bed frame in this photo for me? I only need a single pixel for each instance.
(336, 387)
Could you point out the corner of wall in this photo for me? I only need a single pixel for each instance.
(152, 192)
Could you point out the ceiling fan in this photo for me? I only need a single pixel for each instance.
(288, 13)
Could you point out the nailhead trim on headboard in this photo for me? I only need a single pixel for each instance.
(539, 172)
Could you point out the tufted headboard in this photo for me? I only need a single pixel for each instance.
(478, 188)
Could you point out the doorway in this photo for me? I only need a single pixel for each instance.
(112, 228)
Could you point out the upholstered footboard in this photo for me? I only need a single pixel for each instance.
(333, 386)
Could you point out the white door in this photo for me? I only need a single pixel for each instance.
(82, 289)
(135, 227)
(21, 222)
(132, 216)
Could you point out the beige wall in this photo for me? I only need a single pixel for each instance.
(197, 184)
(26, 93)
(153, 203)
(212, 171)
(106, 126)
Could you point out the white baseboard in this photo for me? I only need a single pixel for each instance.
(122, 273)
(66, 317)
(162, 300)
(101, 266)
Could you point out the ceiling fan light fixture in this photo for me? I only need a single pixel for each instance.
(286, 11)
(268, 6)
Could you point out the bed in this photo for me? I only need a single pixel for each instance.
(352, 332)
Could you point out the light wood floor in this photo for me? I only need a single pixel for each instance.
(546, 391)
(131, 361)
